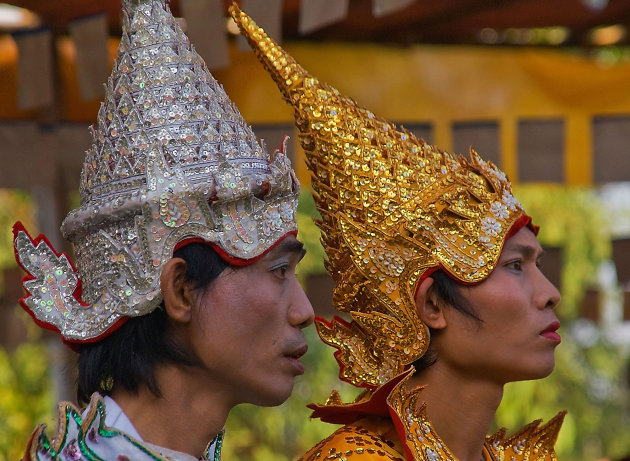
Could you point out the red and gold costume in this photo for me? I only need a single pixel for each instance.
(393, 210)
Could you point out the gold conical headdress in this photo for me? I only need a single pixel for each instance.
(393, 209)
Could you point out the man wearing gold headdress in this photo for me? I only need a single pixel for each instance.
(184, 302)
(436, 263)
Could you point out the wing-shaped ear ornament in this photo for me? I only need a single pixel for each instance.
(53, 288)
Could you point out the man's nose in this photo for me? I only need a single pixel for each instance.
(301, 312)
(549, 296)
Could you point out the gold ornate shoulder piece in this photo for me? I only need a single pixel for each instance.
(422, 442)
(367, 439)
(393, 208)
(532, 443)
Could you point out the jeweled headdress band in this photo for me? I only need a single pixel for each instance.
(393, 208)
(171, 159)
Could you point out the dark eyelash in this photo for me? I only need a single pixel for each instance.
(282, 267)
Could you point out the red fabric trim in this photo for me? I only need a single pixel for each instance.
(232, 260)
(283, 143)
(376, 405)
(523, 221)
(402, 433)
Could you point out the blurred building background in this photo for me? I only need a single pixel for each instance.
(540, 88)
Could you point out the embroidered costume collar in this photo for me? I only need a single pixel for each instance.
(420, 440)
(87, 437)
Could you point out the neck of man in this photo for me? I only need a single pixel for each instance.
(460, 408)
(185, 418)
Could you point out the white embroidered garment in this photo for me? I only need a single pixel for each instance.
(103, 432)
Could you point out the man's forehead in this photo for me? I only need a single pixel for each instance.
(525, 242)
(289, 244)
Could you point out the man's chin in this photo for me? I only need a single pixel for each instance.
(274, 398)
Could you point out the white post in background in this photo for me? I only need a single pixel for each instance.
(206, 28)
(90, 37)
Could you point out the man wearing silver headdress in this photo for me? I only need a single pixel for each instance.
(184, 300)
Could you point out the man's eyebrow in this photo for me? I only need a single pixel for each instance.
(290, 246)
(527, 251)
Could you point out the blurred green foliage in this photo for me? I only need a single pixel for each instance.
(26, 396)
(572, 219)
(308, 233)
(14, 205)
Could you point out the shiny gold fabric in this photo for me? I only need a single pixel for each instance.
(393, 207)
(408, 434)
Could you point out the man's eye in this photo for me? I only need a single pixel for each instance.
(516, 265)
(281, 271)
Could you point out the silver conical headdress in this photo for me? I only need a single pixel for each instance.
(172, 158)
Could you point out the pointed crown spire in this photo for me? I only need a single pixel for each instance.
(394, 209)
(172, 158)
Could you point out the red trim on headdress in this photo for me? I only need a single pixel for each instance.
(232, 260)
(76, 294)
(75, 344)
(348, 325)
(330, 325)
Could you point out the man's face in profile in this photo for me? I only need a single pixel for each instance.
(247, 332)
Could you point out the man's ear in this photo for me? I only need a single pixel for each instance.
(428, 307)
(177, 293)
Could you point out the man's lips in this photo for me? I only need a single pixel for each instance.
(294, 358)
(297, 352)
(550, 332)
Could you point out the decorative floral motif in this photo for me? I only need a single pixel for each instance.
(510, 201)
(500, 211)
(490, 226)
(272, 221)
(287, 212)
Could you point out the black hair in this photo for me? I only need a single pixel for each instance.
(447, 291)
(127, 358)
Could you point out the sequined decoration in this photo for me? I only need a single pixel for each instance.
(392, 206)
(533, 442)
(410, 435)
(171, 158)
(213, 450)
